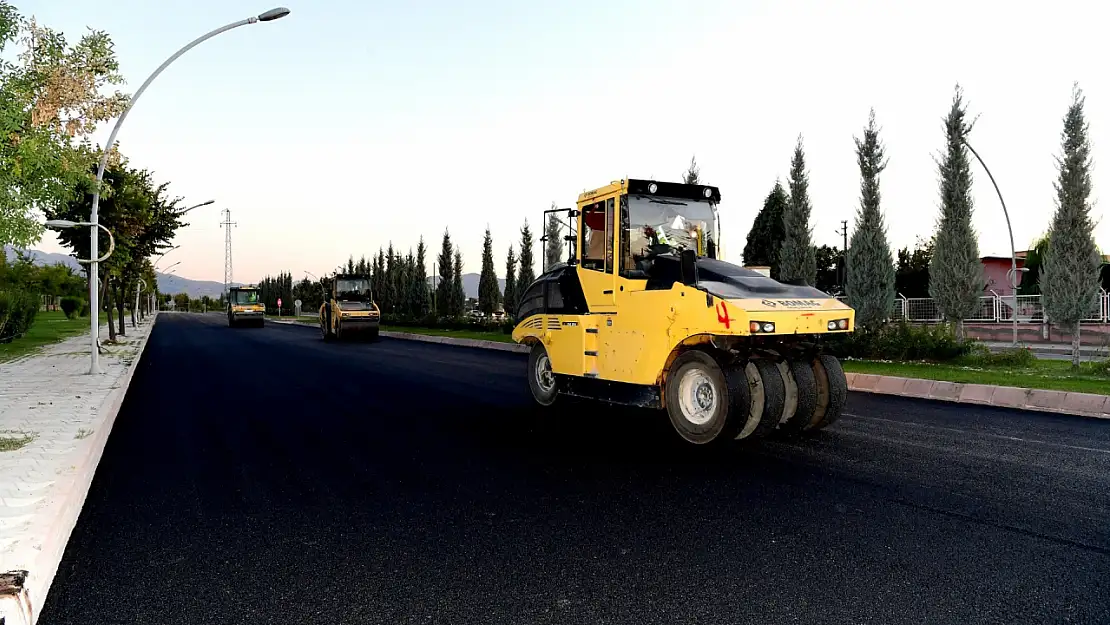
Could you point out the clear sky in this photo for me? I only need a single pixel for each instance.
(349, 124)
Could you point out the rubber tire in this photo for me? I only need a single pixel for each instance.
(544, 399)
(325, 331)
(728, 384)
(774, 398)
(832, 392)
(806, 381)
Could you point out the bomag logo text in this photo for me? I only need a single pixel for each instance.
(791, 303)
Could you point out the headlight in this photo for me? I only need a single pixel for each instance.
(652, 188)
(766, 327)
(708, 193)
(838, 324)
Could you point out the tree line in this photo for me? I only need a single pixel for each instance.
(1065, 264)
(52, 99)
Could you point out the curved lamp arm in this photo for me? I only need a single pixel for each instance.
(62, 223)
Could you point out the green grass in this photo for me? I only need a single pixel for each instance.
(12, 443)
(1055, 375)
(50, 327)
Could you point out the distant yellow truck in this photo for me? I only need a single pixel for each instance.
(244, 307)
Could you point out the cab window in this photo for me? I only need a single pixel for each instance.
(597, 236)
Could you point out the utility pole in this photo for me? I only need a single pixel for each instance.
(227, 223)
(843, 273)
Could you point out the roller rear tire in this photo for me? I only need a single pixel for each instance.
(768, 398)
(805, 382)
(541, 379)
(832, 392)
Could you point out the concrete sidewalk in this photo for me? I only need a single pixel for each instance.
(64, 416)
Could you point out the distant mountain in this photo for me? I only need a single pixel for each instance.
(172, 284)
(470, 284)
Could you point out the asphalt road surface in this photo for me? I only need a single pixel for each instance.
(262, 476)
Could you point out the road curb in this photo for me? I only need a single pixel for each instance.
(1038, 400)
(24, 595)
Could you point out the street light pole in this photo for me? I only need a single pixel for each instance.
(1013, 251)
(94, 305)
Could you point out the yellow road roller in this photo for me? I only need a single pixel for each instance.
(244, 307)
(649, 315)
(349, 310)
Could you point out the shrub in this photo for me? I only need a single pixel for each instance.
(84, 308)
(17, 313)
(1015, 358)
(901, 341)
(446, 323)
(71, 306)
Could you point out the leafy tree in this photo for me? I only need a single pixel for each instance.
(911, 278)
(693, 173)
(956, 272)
(870, 279)
(458, 294)
(445, 288)
(421, 300)
(1034, 260)
(51, 101)
(1070, 280)
(511, 295)
(553, 241)
(797, 263)
(764, 242)
(829, 262)
(489, 293)
(527, 274)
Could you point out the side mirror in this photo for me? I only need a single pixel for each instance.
(689, 267)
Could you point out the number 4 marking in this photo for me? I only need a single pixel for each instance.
(722, 314)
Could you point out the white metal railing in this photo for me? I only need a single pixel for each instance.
(992, 308)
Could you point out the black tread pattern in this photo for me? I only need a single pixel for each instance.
(774, 397)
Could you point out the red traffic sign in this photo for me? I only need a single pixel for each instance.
(279, 302)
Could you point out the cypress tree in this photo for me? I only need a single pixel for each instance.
(797, 259)
(764, 241)
(458, 294)
(446, 272)
(553, 246)
(693, 173)
(870, 279)
(421, 296)
(527, 273)
(510, 298)
(489, 293)
(1070, 270)
(956, 271)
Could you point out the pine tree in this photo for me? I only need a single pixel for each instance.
(458, 294)
(1070, 273)
(510, 298)
(527, 273)
(362, 267)
(764, 242)
(421, 298)
(693, 174)
(956, 272)
(797, 260)
(553, 246)
(870, 279)
(489, 293)
(351, 264)
(444, 288)
(377, 279)
(389, 298)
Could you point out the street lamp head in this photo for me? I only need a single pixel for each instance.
(204, 203)
(60, 223)
(273, 14)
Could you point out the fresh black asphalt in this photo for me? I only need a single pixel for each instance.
(263, 476)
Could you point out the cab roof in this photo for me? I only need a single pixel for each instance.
(636, 186)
